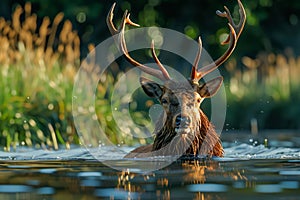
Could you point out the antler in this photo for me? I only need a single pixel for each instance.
(235, 32)
(162, 74)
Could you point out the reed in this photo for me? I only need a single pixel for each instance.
(38, 64)
(269, 74)
(37, 67)
(267, 88)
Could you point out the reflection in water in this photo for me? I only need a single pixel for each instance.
(246, 170)
(188, 175)
(198, 179)
(195, 171)
(124, 182)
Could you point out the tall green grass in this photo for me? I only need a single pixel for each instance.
(37, 67)
(266, 89)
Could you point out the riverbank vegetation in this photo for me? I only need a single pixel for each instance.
(39, 59)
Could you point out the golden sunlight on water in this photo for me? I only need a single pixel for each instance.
(74, 174)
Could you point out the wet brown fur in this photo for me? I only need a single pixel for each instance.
(202, 141)
(212, 145)
(183, 129)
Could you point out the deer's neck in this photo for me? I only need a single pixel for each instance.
(205, 139)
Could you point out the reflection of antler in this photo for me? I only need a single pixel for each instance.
(162, 74)
(235, 31)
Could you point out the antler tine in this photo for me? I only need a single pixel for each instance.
(196, 62)
(161, 67)
(212, 66)
(162, 74)
(235, 31)
(237, 27)
(109, 21)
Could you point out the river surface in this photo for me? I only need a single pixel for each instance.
(253, 168)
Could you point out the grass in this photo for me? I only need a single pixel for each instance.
(37, 69)
(267, 90)
(37, 66)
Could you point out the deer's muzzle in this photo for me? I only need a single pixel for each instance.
(182, 124)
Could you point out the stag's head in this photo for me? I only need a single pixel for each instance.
(183, 118)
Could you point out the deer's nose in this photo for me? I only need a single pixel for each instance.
(182, 121)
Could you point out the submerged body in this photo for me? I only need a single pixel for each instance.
(206, 142)
(183, 129)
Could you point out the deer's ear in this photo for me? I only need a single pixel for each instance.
(151, 88)
(210, 88)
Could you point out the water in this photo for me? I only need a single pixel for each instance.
(250, 170)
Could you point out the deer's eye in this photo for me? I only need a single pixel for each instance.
(164, 101)
(199, 100)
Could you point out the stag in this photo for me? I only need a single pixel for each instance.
(183, 128)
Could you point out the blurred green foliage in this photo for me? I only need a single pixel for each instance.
(272, 25)
(260, 77)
